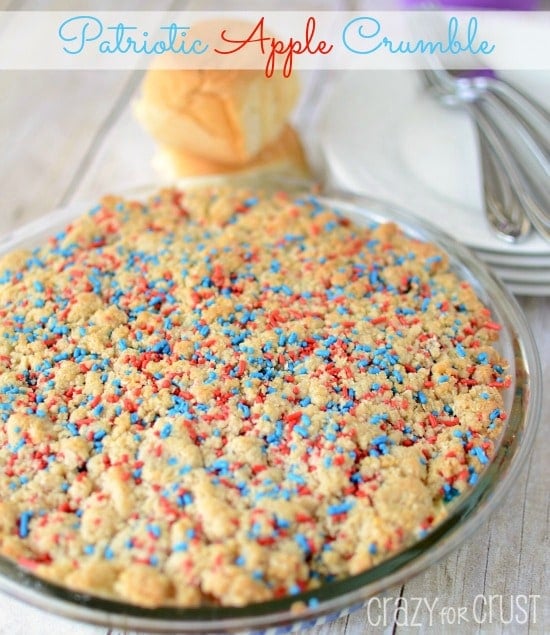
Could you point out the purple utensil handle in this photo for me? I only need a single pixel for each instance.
(504, 5)
(472, 73)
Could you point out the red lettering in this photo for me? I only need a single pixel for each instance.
(278, 47)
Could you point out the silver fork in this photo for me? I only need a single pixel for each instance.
(503, 208)
(534, 118)
(520, 149)
(531, 119)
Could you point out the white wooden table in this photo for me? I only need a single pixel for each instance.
(71, 136)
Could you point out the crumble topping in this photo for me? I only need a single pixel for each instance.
(227, 396)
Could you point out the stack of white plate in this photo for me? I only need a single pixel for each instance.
(381, 134)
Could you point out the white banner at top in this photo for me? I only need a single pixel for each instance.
(285, 40)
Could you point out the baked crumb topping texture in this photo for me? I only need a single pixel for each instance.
(223, 396)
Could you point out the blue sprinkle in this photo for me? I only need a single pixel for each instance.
(180, 546)
(433, 259)
(480, 454)
(166, 431)
(220, 464)
(98, 410)
(383, 438)
(24, 520)
(449, 492)
(282, 523)
(341, 508)
(161, 347)
(302, 542)
(378, 418)
(154, 529)
(185, 499)
(245, 410)
(71, 427)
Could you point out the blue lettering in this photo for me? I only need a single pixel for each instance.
(84, 23)
(83, 29)
(366, 28)
(197, 47)
(371, 39)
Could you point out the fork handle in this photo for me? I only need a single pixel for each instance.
(531, 122)
(529, 185)
(503, 208)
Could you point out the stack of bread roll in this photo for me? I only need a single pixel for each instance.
(221, 122)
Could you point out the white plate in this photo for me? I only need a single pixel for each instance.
(512, 260)
(517, 288)
(523, 276)
(517, 262)
(383, 135)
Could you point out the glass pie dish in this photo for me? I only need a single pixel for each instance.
(332, 599)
